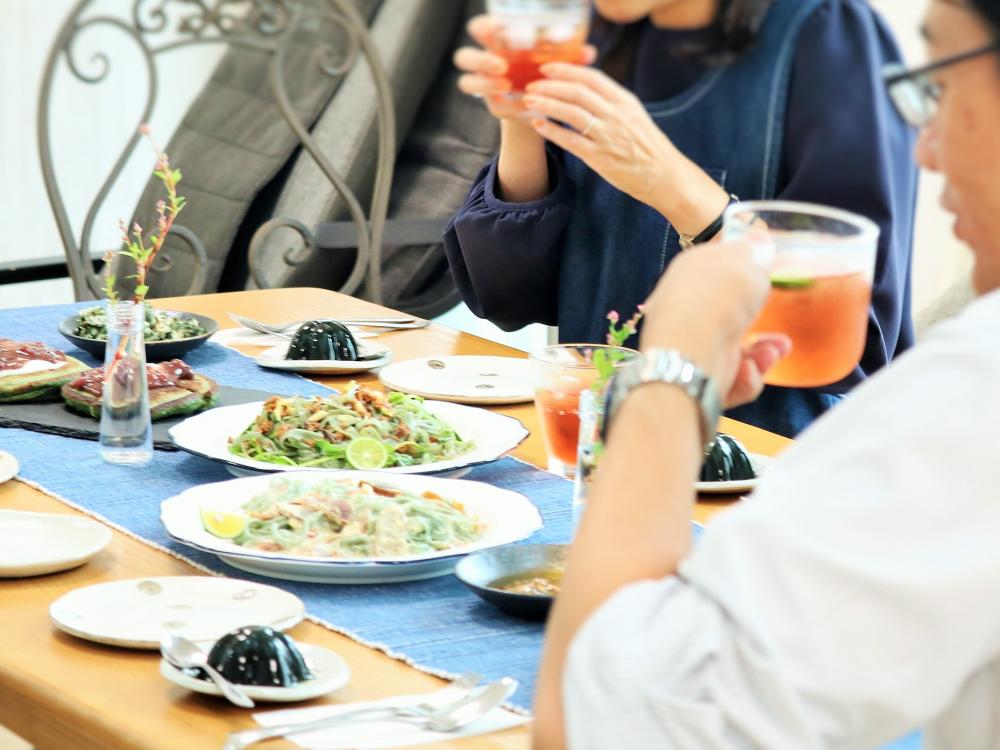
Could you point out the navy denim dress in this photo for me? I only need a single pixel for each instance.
(802, 116)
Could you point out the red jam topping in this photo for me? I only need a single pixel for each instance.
(16, 354)
(164, 375)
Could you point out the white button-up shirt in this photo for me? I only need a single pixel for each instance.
(854, 598)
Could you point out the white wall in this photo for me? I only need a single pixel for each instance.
(92, 121)
(89, 126)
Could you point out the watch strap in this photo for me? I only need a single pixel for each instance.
(708, 234)
(673, 368)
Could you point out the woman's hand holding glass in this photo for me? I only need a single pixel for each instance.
(484, 71)
(703, 306)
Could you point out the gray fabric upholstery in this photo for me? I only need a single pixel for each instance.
(234, 139)
(453, 136)
(412, 37)
(947, 305)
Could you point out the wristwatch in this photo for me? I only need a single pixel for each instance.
(671, 367)
(690, 240)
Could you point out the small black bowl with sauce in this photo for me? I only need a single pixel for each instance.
(517, 578)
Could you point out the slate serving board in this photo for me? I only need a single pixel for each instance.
(55, 418)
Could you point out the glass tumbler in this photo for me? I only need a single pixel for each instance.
(822, 262)
(561, 374)
(535, 32)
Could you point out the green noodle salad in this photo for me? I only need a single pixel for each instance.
(360, 428)
(353, 518)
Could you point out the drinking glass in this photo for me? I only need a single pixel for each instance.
(589, 448)
(822, 262)
(561, 374)
(535, 32)
(126, 433)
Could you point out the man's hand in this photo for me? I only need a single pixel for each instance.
(703, 306)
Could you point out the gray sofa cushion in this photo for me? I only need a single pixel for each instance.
(412, 37)
(234, 140)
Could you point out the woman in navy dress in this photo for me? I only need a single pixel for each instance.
(691, 103)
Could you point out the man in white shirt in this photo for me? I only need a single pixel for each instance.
(856, 597)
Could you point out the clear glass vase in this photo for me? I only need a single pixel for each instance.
(126, 435)
(589, 447)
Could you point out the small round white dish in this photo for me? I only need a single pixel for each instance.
(8, 466)
(274, 358)
(208, 434)
(463, 379)
(33, 544)
(507, 516)
(330, 673)
(760, 464)
(139, 612)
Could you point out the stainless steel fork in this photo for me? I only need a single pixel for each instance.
(451, 694)
(286, 329)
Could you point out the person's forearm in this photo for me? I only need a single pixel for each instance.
(685, 194)
(636, 527)
(523, 167)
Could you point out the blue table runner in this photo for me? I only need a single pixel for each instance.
(437, 624)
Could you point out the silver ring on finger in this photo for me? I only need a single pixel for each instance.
(590, 124)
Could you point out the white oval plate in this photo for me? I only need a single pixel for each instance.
(760, 465)
(8, 466)
(33, 544)
(139, 612)
(207, 434)
(464, 379)
(508, 517)
(330, 673)
(274, 358)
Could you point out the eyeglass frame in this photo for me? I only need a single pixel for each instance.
(894, 74)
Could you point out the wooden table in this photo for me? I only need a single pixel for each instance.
(62, 693)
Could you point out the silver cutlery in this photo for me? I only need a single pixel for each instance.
(286, 330)
(185, 654)
(446, 710)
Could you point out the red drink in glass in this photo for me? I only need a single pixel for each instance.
(562, 373)
(821, 262)
(822, 353)
(535, 32)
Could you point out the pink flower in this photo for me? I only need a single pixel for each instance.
(613, 316)
(145, 129)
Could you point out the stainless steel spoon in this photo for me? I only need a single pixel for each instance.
(434, 713)
(185, 654)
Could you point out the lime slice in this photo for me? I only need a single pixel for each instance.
(222, 524)
(791, 281)
(367, 453)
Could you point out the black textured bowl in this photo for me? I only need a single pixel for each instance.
(479, 570)
(156, 351)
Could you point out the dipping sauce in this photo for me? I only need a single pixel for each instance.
(532, 583)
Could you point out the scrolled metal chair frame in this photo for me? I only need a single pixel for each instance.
(265, 25)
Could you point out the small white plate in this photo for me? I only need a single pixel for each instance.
(139, 612)
(208, 434)
(274, 358)
(760, 464)
(464, 379)
(507, 516)
(32, 544)
(330, 673)
(8, 466)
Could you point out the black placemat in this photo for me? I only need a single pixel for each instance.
(56, 418)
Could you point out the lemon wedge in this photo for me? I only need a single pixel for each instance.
(223, 524)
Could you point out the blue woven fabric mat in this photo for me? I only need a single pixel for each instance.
(437, 624)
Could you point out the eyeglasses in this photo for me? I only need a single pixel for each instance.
(915, 94)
